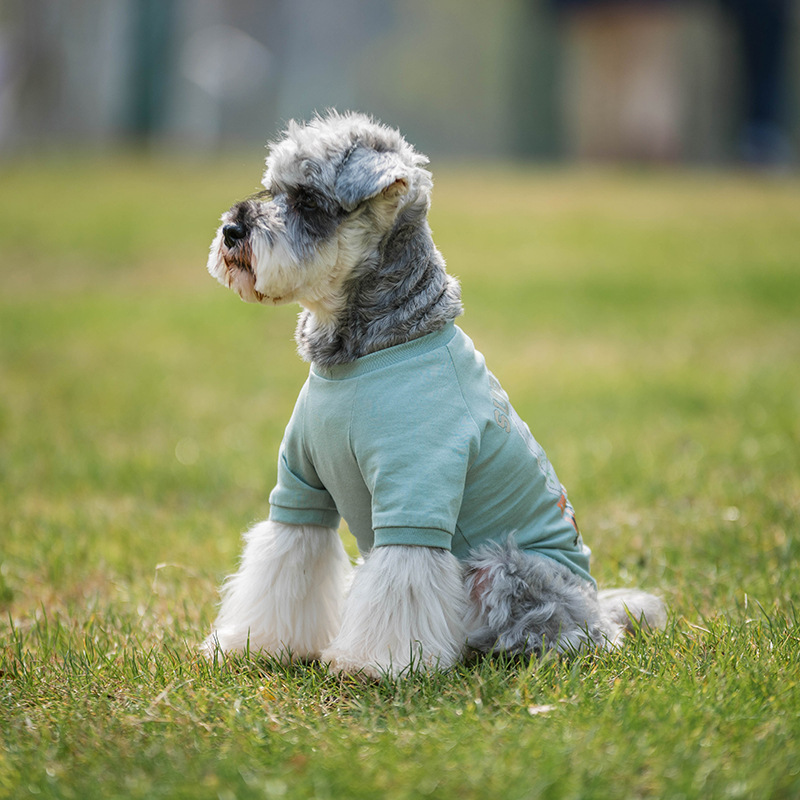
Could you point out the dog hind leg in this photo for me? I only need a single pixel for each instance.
(525, 603)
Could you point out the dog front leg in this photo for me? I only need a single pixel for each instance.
(286, 597)
(405, 610)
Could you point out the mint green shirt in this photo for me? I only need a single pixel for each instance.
(418, 445)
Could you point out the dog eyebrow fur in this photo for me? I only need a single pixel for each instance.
(264, 195)
(348, 153)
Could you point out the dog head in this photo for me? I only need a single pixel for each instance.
(333, 189)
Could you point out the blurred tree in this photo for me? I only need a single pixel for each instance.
(153, 34)
(763, 28)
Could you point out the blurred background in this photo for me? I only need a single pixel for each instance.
(697, 81)
(645, 320)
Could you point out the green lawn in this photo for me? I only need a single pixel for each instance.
(646, 325)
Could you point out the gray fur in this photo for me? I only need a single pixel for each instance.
(529, 603)
(398, 293)
(364, 172)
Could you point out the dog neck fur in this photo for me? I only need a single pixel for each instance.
(399, 292)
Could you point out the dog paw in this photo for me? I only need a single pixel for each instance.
(222, 643)
(364, 673)
(340, 663)
(211, 649)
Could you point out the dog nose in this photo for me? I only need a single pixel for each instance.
(232, 234)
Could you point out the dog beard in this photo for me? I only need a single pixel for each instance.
(264, 267)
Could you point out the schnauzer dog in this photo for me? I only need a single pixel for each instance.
(467, 536)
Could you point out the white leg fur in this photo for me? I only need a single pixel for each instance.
(287, 595)
(406, 609)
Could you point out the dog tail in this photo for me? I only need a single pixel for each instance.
(632, 609)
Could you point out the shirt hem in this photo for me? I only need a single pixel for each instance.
(415, 537)
(305, 516)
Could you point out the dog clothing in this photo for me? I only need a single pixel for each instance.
(418, 445)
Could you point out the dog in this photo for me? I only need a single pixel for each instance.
(468, 540)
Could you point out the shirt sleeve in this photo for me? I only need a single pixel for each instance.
(414, 442)
(299, 497)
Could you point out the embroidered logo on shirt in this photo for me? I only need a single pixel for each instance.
(502, 407)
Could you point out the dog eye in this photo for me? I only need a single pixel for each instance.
(307, 203)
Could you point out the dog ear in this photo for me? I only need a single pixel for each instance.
(367, 173)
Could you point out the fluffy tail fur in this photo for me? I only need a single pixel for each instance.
(632, 608)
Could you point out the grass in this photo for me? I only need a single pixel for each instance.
(647, 325)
